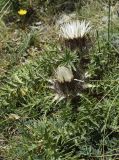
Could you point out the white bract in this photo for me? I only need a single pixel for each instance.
(74, 29)
(63, 74)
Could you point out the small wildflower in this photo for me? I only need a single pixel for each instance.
(22, 12)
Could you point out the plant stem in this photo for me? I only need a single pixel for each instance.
(98, 41)
(109, 20)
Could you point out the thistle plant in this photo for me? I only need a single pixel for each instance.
(67, 83)
(75, 34)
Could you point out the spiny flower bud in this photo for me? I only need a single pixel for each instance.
(63, 74)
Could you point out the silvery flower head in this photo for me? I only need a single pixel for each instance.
(75, 29)
(63, 74)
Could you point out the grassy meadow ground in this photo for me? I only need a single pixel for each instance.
(35, 126)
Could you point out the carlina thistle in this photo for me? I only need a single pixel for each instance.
(63, 74)
(66, 85)
(63, 83)
(75, 33)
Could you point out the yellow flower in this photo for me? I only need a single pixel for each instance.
(22, 12)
